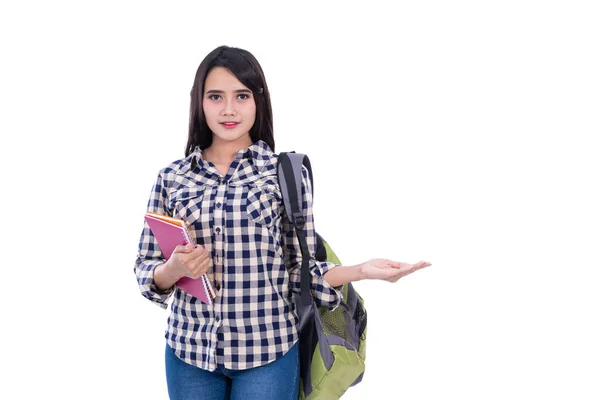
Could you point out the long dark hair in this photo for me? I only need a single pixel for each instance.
(247, 70)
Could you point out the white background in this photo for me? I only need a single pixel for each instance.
(461, 133)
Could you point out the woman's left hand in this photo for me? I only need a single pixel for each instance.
(388, 270)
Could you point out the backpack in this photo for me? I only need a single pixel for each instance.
(332, 343)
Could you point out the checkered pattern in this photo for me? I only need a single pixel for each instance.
(256, 260)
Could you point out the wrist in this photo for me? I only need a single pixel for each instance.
(362, 272)
(163, 275)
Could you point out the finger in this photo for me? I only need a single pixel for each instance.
(199, 255)
(202, 263)
(403, 265)
(184, 249)
(201, 250)
(196, 268)
(391, 273)
(199, 247)
(395, 264)
(196, 274)
(207, 265)
(204, 259)
(202, 267)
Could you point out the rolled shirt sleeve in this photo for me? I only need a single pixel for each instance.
(323, 293)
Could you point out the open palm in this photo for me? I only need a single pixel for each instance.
(388, 270)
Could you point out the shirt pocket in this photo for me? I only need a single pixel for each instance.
(263, 205)
(186, 202)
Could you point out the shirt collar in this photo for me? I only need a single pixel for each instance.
(259, 153)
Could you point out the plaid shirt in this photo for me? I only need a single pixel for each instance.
(256, 260)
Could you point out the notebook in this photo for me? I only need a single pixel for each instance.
(169, 233)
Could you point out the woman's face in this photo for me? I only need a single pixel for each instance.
(229, 106)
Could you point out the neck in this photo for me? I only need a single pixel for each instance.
(224, 152)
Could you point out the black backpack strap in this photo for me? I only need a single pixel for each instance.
(289, 173)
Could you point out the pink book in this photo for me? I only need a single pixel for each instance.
(169, 233)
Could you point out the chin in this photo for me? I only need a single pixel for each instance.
(232, 138)
(231, 134)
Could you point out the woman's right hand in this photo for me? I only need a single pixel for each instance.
(190, 260)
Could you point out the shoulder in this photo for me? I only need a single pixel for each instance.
(174, 168)
(266, 163)
(305, 172)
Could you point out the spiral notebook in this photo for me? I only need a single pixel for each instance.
(169, 233)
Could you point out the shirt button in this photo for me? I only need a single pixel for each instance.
(218, 286)
(217, 318)
(218, 205)
(218, 230)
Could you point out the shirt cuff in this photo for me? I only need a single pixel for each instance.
(151, 291)
(332, 296)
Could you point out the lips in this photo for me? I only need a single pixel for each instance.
(229, 124)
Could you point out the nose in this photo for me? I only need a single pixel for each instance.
(228, 108)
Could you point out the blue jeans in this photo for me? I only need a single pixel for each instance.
(278, 380)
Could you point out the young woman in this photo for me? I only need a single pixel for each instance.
(244, 346)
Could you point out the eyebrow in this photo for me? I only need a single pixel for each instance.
(235, 91)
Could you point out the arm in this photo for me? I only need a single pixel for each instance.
(377, 268)
(324, 293)
(157, 277)
(149, 256)
(341, 275)
(329, 277)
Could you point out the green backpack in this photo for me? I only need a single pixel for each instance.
(332, 343)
